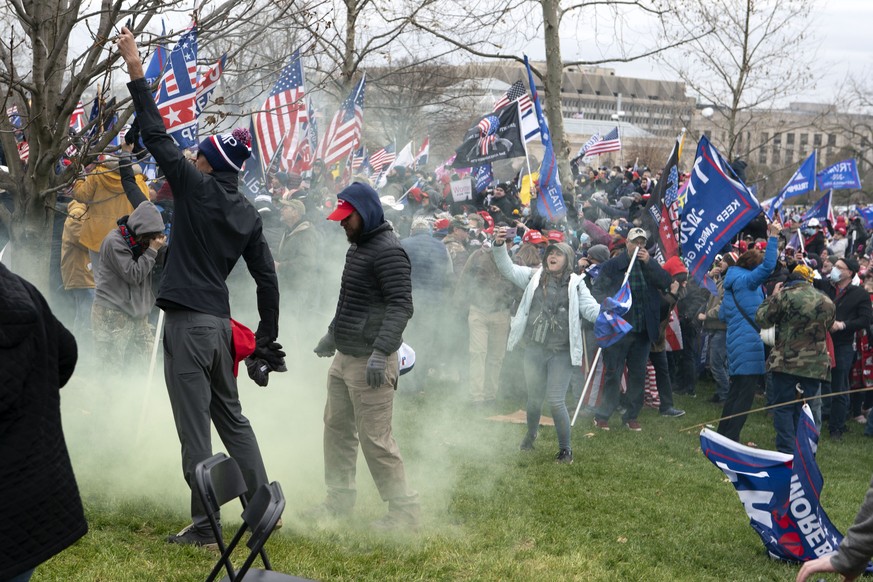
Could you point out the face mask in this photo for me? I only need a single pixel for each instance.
(835, 275)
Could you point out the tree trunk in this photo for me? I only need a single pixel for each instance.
(349, 64)
(552, 82)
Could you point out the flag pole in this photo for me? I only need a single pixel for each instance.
(599, 349)
(159, 328)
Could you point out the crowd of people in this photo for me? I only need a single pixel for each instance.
(463, 282)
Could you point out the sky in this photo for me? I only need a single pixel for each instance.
(842, 40)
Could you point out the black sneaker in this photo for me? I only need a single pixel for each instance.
(564, 456)
(527, 443)
(672, 412)
(192, 537)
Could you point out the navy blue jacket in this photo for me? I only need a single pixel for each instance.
(611, 276)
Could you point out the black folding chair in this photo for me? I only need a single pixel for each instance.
(218, 480)
(260, 517)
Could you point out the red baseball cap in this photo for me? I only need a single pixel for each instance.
(533, 236)
(343, 209)
(556, 236)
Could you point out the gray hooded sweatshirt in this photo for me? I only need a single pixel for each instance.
(124, 282)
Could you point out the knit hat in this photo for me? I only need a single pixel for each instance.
(227, 152)
(599, 253)
(675, 266)
(420, 224)
(806, 273)
(853, 264)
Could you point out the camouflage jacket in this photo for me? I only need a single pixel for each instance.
(802, 315)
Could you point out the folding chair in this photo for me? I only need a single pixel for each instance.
(218, 480)
(260, 517)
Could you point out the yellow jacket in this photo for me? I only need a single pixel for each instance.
(102, 193)
(75, 263)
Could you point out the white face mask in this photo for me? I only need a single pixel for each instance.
(835, 275)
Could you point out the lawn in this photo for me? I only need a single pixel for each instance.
(634, 506)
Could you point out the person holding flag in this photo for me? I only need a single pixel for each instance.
(647, 279)
(742, 297)
(554, 302)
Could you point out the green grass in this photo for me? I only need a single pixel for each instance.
(634, 506)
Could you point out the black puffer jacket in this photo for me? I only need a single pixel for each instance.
(375, 301)
(40, 509)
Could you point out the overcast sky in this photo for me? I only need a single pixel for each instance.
(843, 39)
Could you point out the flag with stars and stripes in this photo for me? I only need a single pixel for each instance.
(207, 83)
(278, 122)
(177, 91)
(611, 142)
(344, 132)
(530, 128)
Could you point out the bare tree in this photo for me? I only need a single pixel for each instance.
(486, 29)
(758, 52)
(44, 73)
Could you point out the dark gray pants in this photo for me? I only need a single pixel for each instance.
(198, 368)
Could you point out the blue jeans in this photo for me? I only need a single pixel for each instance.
(631, 350)
(548, 376)
(845, 357)
(785, 389)
(718, 363)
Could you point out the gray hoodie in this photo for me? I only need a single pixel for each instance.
(123, 282)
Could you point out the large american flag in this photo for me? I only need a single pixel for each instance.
(344, 132)
(611, 142)
(276, 125)
(176, 96)
(77, 119)
(583, 151)
(517, 92)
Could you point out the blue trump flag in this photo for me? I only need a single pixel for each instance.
(717, 207)
(802, 181)
(820, 210)
(610, 327)
(550, 200)
(840, 176)
(779, 492)
(484, 177)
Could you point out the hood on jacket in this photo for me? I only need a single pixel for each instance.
(567, 250)
(76, 209)
(366, 202)
(145, 219)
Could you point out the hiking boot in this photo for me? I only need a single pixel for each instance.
(601, 424)
(716, 399)
(672, 412)
(194, 537)
(564, 456)
(403, 515)
(527, 443)
(633, 425)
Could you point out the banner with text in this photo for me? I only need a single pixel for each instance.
(840, 176)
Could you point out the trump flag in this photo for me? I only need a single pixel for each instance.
(779, 492)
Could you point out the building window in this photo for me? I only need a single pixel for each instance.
(832, 140)
(816, 140)
(804, 140)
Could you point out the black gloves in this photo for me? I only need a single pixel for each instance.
(270, 352)
(376, 369)
(326, 346)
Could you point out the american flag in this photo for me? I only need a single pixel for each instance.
(517, 92)
(301, 160)
(23, 151)
(77, 120)
(344, 132)
(358, 158)
(176, 97)
(487, 127)
(382, 158)
(14, 116)
(611, 142)
(277, 124)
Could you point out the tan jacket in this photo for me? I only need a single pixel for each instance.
(102, 193)
(75, 263)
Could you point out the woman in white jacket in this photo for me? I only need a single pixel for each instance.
(548, 320)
